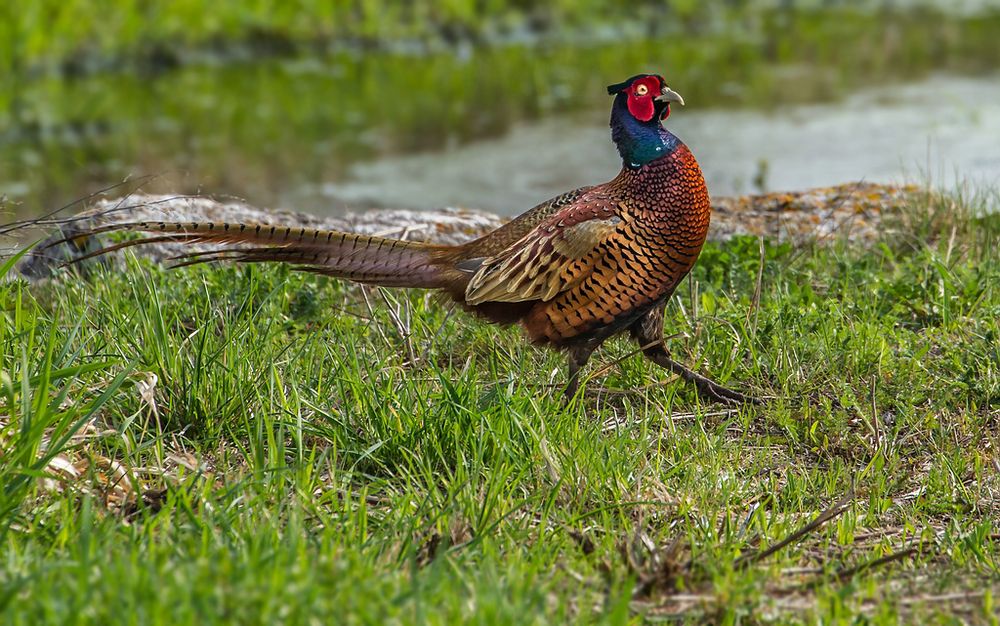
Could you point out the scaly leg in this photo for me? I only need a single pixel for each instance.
(577, 358)
(648, 332)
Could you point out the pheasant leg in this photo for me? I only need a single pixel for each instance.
(577, 359)
(706, 387)
(648, 332)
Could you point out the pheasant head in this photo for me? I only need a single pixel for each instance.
(641, 104)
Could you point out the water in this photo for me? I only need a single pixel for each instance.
(786, 103)
(945, 131)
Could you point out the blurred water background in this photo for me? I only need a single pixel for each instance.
(492, 104)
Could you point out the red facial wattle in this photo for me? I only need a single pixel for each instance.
(640, 99)
(641, 107)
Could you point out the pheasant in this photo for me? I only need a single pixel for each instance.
(573, 271)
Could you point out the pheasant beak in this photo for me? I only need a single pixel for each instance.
(669, 95)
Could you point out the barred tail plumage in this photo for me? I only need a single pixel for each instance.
(363, 258)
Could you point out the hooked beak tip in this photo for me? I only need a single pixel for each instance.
(669, 95)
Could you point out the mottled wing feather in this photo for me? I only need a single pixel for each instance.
(552, 258)
(496, 242)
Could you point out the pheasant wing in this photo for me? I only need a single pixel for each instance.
(554, 257)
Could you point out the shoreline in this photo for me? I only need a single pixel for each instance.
(815, 215)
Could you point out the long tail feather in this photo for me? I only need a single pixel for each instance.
(364, 258)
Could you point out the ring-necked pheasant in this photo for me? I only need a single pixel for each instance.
(573, 271)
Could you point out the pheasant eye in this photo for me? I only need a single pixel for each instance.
(641, 90)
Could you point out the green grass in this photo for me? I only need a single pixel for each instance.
(315, 459)
(81, 35)
(75, 33)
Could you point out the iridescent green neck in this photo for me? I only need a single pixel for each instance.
(638, 142)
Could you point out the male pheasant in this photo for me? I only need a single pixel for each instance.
(573, 271)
